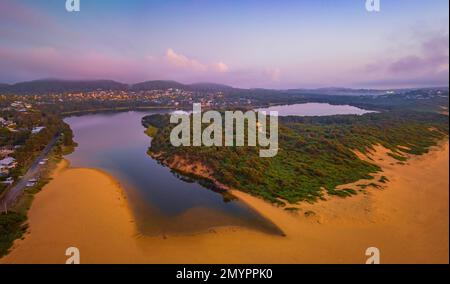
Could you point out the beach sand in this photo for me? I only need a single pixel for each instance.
(407, 220)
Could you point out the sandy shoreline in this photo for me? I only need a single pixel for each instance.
(407, 220)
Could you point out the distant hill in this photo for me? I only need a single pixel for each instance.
(63, 86)
(340, 91)
(4, 87)
(59, 86)
(50, 86)
(164, 85)
(157, 85)
(211, 87)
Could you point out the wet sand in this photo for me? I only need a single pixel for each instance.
(407, 219)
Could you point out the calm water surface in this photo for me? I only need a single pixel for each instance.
(162, 203)
(314, 109)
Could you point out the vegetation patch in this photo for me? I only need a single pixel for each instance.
(151, 131)
(398, 157)
(310, 213)
(347, 192)
(383, 179)
(12, 227)
(315, 153)
(293, 210)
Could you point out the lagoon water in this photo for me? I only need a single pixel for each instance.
(314, 109)
(163, 203)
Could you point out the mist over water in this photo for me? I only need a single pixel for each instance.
(314, 109)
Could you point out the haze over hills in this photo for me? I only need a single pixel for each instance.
(3, 86)
(157, 84)
(164, 85)
(55, 85)
(341, 91)
(58, 85)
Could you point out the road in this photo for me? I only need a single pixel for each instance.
(10, 197)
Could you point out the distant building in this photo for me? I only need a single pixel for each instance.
(7, 163)
(37, 129)
(32, 182)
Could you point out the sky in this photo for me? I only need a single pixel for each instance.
(244, 43)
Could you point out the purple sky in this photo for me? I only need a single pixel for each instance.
(244, 43)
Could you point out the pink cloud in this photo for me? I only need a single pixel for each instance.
(183, 61)
(221, 67)
(274, 74)
(17, 13)
(49, 62)
(62, 63)
(428, 60)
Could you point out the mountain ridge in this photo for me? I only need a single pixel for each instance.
(60, 85)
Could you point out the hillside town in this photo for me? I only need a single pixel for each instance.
(168, 98)
(21, 136)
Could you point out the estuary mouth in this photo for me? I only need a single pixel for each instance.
(163, 202)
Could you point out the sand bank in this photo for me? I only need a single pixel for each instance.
(407, 220)
(80, 208)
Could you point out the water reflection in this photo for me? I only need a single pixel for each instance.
(161, 201)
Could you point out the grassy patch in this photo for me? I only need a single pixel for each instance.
(315, 153)
(398, 157)
(310, 213)
(347, 192)
(383, 179)
(12, 227)
(292, 209)
(151, 131)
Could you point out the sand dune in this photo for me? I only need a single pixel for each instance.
(407, 220)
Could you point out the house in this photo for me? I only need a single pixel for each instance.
(37, 129)
(30, 184)
(16, 104)
(7, 163)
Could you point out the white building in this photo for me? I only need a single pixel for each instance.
(8, 163)
(37, 129)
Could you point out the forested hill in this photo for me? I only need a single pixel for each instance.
(424, 99)
(60, 86)
(315, 153)
(67, 86)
